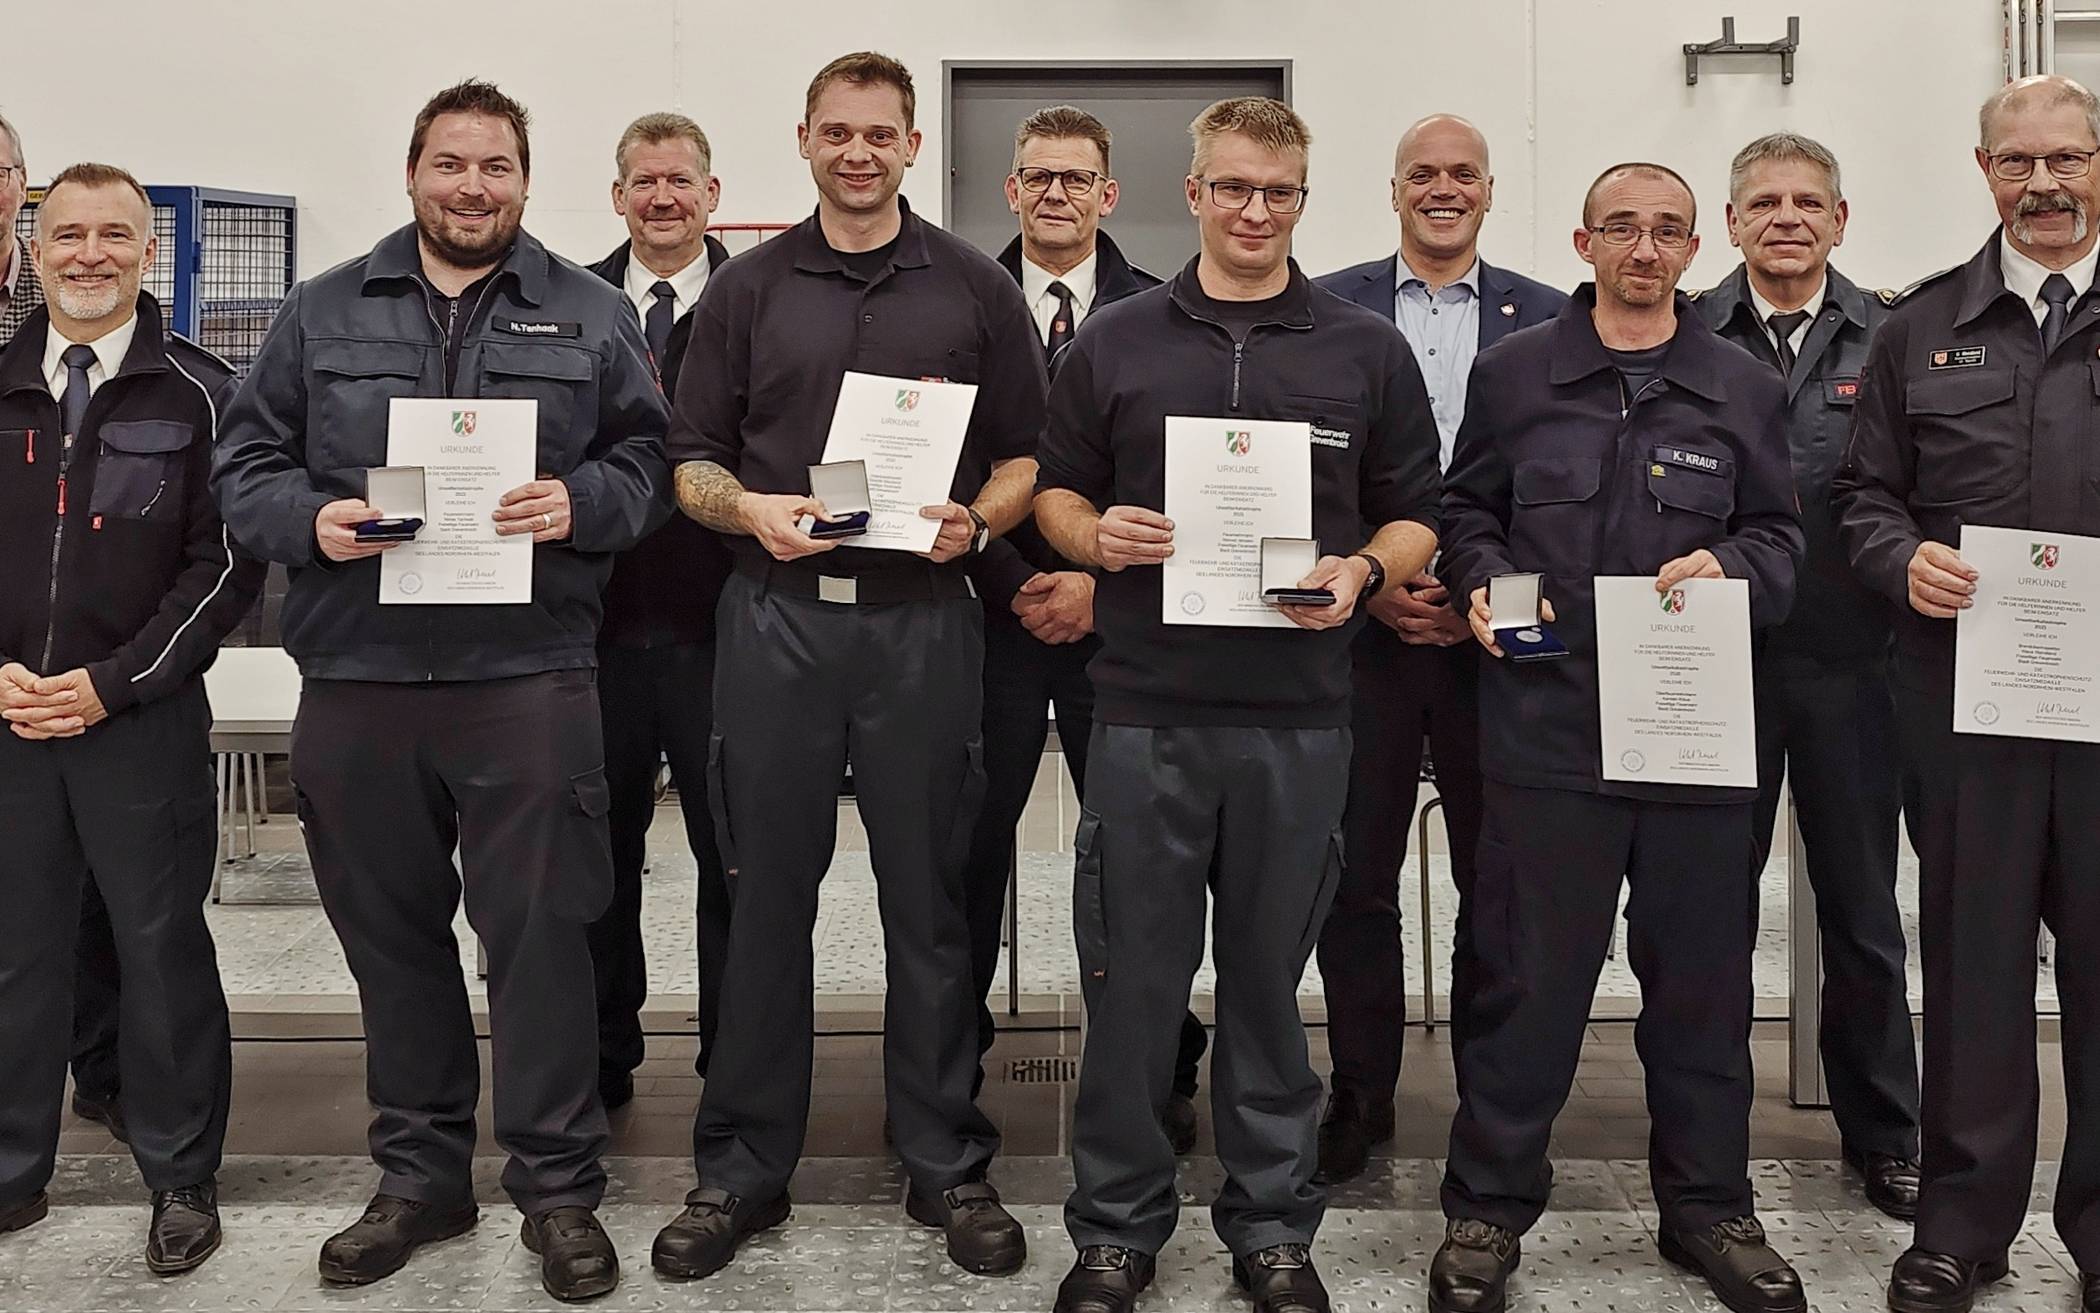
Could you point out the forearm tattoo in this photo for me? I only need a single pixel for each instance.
(710, 494)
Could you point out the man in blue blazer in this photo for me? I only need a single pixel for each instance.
(1416, 672)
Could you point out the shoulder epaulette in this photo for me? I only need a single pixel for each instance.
(1928, 279)
(1697, 293)
(1885, 295)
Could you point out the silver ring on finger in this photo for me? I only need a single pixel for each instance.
(546, 521)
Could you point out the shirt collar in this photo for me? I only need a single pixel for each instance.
(685, 284)
(1079, 280)
(1403, 275)
(2024, 276)
(1764, 310)
(110, 349)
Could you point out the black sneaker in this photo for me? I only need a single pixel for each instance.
(1746, 1274)
(982, 1236)
(381, 1242)
(1471, 1270)
(700, 1241)
(1104, 1279)
(1281, 1279)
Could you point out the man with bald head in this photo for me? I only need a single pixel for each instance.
(1622, 438)
(1415, 667)
(1978, 408)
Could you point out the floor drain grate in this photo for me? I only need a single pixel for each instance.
(1042, 1071)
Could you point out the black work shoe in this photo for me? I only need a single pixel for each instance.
(577, 1261)
(1471, 1270)
(1281, 1279)
(1104, 1279)
(107, 1112)
(185, 1229)
(1926, 1282)
(1745, 1274)
(702, 1239)
(982, 1236)
(615, 1089)
(379, 1243)
(34, 1209)
(1892, 1183)
(1178, 1120)
(1347, 1133)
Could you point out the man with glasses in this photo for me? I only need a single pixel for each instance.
(20, 292)
(1978, 408)
(1038, 606)
(1417, 671)
(1622, 438)
(1824, 715)
(1220, 754)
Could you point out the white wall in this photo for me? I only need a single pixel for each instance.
(316, 99)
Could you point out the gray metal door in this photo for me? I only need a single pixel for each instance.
(1146, 106)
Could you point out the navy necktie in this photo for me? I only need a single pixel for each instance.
(2056, 294)
(657, 326)
(1061, 325)
(72, 406)
(1783, 329)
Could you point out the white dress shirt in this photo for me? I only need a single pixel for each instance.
(2024, 277)
(109, 356)
(1035, 289)
(685, 285)
(1765, 310)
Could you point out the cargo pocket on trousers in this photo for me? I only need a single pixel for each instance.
(1089, 907)
(591, 893)
(718, 807)
(1323, 898)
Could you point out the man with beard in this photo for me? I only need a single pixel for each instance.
(425, 728)
(826, 649)
(656, 649)
(121, 582)
(1038, 606)
(1978, 407)
(1824, 716)
(97, 1082)
(1416, 668)
(1622, 438)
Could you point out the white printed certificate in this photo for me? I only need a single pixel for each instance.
(909, 433)
(2027, 653)
(1230, 484)
(472, 450)
(1674, 694)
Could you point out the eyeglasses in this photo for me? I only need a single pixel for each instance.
(13, 170)
(2062, 164)
(1238, 195)
(1076, 182)
(1666, 236)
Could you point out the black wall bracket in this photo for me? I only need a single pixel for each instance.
(1728, 45)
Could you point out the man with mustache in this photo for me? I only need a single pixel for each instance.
(1824, 715)
(1622, 438)
(1978, 406)
(428, 729)
(656, 648)
(121, 582)
(1416, 667)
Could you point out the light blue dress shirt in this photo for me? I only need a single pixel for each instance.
(1444, 330)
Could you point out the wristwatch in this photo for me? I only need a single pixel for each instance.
(980, 539)
(1376, 580)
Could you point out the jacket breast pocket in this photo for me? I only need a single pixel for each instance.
(1335, 422)
(138, 470)
(1553, 526)
(354, 382)
(1971, 444)
(563, 380)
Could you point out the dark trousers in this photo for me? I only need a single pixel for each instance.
(390, 777)
(97, 1071)
(655, 703)
(801, 686)
(2007, 846)
(1253, 817)
(1550, 865)
(1834, 729)
(1404, 694)
(128, 805)
(1021, 678)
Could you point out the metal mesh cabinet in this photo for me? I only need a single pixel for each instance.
(225, 261)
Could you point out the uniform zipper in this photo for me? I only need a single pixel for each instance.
(451, 385)
(1626, 408)
(58, 535)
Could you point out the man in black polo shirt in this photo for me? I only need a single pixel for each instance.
(1220, 755)
(828, 651)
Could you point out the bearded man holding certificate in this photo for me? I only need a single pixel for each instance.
(1235, 404)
